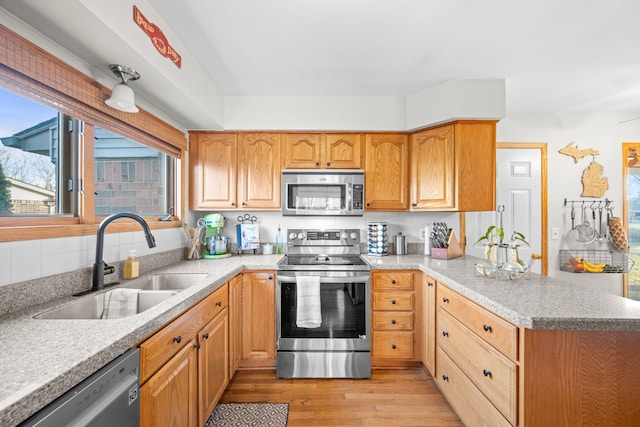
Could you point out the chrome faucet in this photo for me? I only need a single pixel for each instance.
(99, 267)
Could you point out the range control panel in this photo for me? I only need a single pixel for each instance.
(337, 237)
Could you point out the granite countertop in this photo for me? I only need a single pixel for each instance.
(41, 359)
(539, 302)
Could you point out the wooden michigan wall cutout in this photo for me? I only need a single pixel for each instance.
(594, 184)
(572, 150)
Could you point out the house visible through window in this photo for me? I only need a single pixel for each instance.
(38, 148)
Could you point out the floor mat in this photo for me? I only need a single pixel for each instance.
(249, 415)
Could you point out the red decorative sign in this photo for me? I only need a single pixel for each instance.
(157, 37)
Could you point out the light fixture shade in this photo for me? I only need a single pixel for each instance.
(122, 98)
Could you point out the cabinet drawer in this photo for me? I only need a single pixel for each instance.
(493, 373)
(160, 347)
(491, 328)
(393, 300)
(392, 280)
(393, 345)
(469, 403)
(393, 320)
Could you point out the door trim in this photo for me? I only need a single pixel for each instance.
(626, 146)
(542, 146)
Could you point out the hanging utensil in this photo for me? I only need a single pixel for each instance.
(586, 234)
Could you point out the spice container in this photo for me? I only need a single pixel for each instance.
(377, 238)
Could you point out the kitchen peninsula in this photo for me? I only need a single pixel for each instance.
(556, 324)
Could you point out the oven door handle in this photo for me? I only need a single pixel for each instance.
(349, 279)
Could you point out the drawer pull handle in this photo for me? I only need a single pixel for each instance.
(393, 281)
(206, 336)
(197, 346)
(177, 339)
(486, 373)
(445, 378)
(393, 321)
(219, 303)
(487, 328)
(445, 299)
(393, 301)
(393, 346)
(445, 333)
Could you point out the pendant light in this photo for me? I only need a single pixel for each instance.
(122, 96)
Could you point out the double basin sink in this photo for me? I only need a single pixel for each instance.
(151, 290)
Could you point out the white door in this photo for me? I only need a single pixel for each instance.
(518, 189)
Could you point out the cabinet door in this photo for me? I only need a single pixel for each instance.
(213, 363)
(386, 172)
(341, 151)
(302, 151)
(212, 161)
(170, 397)
(429, 323)
(259, 169)
(432, 169)
(235, 323)
(258, 319)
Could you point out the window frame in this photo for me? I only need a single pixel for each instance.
(30, 71)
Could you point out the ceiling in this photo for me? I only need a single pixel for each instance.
(554, 55)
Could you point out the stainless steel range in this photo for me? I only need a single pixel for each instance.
(323, 306)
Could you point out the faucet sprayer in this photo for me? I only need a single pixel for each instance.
(99, 267)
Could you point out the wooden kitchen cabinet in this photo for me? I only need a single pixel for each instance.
(395, 318)
(213, 170)
(184, 367)
(258, 319)
(234, 170)
(235, 323)
(322, 151)
(386, 172)
(429, 323)
(453, 167)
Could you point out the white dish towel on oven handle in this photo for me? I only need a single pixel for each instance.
(308, 313)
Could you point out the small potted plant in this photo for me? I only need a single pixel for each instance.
(494, 238)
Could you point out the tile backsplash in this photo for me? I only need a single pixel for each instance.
(32, 259)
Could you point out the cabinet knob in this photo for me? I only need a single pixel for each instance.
(233, 204)
(270, 277)
(393, 281)
(445, 299)
(368, 204)
(328, 163)
(393, 346)
(393, 301)
(414, 204)
(196, 346)
(317, 163)
(486, 373)
(243, 204)
(205, 336)
(429, 284)
(445, 333)
(393, 321)
(445, 378)
(177, 339)
(487, 328)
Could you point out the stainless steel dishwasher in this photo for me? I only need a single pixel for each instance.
(109, 397)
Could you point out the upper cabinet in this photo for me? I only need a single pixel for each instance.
(386, 172)
(234, 171)
(323, 151)
(453, 167)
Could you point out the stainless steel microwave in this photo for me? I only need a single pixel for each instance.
(337, 192)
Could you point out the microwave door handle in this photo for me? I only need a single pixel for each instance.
(350, 279)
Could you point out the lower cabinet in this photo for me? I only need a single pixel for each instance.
(184, 367)
(429, 323)
(235, 323)
(395, 318)
(258, 319)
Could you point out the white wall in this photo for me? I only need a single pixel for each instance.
(601, 131)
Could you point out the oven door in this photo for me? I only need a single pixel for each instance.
(345, 309)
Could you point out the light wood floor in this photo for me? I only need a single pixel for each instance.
(393, 397)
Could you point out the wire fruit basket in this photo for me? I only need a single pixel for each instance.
(594, 261)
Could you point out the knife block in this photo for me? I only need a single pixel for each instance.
(452, 251)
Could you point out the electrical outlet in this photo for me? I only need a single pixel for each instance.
(555, 233)
(422, 236)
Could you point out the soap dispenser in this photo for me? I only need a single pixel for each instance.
(279, 247)
(131, 266)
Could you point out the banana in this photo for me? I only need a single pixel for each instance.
(594, 268)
